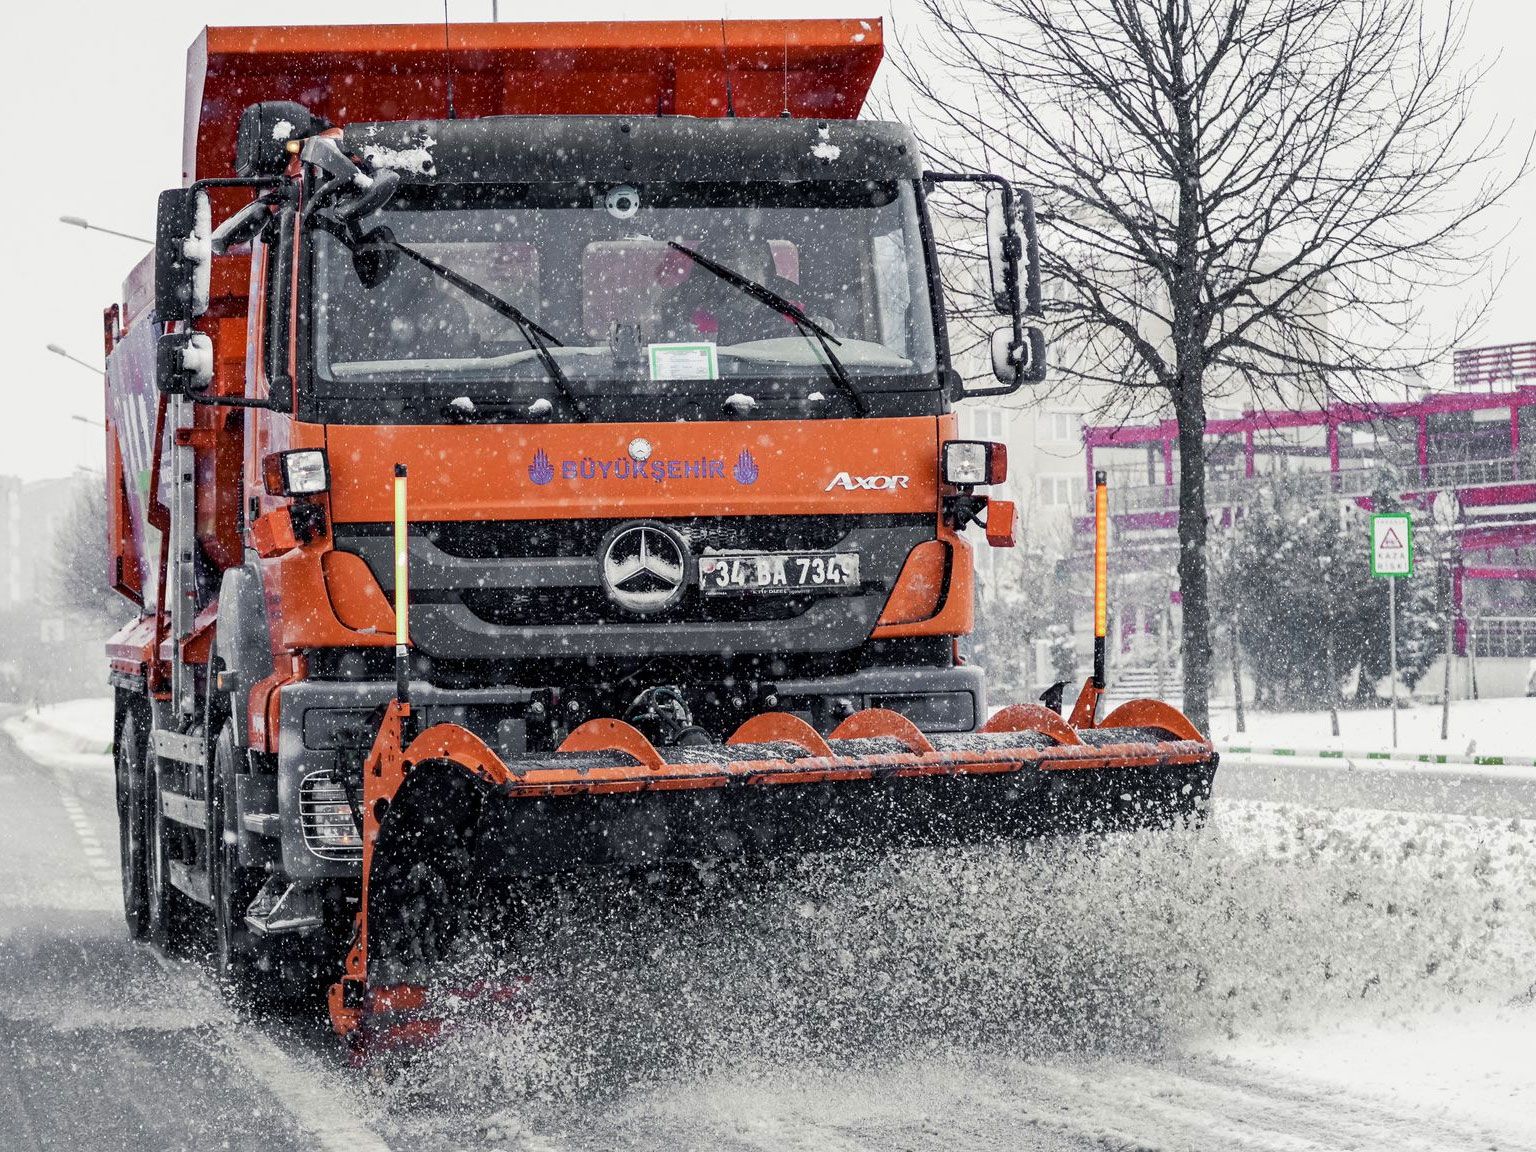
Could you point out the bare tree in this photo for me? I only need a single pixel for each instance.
(79, 586)
(1235, 195)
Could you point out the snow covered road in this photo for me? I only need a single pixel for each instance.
(1342, 960)
(103, 1044)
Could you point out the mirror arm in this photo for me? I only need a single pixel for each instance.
(1036, 373)
(236, 182)
(324, 192)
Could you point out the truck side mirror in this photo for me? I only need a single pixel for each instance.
(374, 256)
(261, 142)
(1016, 363)
(1003, 251)
(1017, 351)
(183, 363)
(183, 255)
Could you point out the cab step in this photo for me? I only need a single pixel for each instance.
(184, 749)
(279, 910)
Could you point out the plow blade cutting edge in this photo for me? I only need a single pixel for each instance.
(446, 820)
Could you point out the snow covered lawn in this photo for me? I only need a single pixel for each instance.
(74, 734)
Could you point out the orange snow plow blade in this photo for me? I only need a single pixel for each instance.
(445, 818)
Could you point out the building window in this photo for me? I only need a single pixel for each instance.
(1058, 490)
(1059, 426)
(988, 423)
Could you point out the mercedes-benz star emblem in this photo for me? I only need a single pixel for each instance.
(640, 448)
(645, 568)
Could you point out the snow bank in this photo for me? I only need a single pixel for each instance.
(74, 734)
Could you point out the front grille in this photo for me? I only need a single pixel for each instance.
(516, 586)
(532, 539)
(325, 817)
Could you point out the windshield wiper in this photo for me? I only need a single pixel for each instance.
(790, 311)
(538, 337)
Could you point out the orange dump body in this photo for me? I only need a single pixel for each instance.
(817, 69)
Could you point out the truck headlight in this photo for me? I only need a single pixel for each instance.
(968, 463)
(302, 472)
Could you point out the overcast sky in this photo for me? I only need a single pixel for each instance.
(93, 93)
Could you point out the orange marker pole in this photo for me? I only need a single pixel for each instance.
(402, 592)
(1100, 575)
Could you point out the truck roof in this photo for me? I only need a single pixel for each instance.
(820, 69)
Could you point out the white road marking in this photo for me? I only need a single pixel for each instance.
(303, 1088)
(306, 1090)
(102, 870)
(320, 1108)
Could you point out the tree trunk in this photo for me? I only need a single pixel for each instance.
(1450, 646)
(1194, 581)
(1237, 677)
(1333, 682)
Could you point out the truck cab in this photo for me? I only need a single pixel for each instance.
(674, 397)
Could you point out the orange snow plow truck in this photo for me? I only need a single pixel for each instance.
(537, 457)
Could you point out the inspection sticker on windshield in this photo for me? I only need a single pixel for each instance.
(684, 362)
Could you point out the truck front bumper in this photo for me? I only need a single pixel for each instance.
(328, 726)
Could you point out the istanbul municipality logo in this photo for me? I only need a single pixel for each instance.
(641, 466)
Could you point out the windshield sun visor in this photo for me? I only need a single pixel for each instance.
(542, 149)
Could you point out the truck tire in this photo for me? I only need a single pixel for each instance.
(170, 911)
(231, 885)
(132, 812)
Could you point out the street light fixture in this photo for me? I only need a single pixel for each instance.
(58, 351)
(82, 222)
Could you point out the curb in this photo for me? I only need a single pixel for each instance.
(1399, 757)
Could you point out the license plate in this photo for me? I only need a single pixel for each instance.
(778, 572)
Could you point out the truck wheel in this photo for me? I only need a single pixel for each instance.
(170, 912)
(132, 807)
(231, 885)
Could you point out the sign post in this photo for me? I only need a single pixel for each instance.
(1392, 558)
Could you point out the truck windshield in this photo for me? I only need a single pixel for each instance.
(620, 310)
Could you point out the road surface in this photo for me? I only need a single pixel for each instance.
(1147, 993)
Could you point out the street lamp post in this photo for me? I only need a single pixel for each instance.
(58, 351)
(82, 222)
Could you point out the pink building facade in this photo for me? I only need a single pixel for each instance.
(1472, 449)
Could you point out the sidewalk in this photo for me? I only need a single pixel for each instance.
(74, 734)
(1493, 732)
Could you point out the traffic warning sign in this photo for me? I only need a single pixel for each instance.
(1391, 544)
